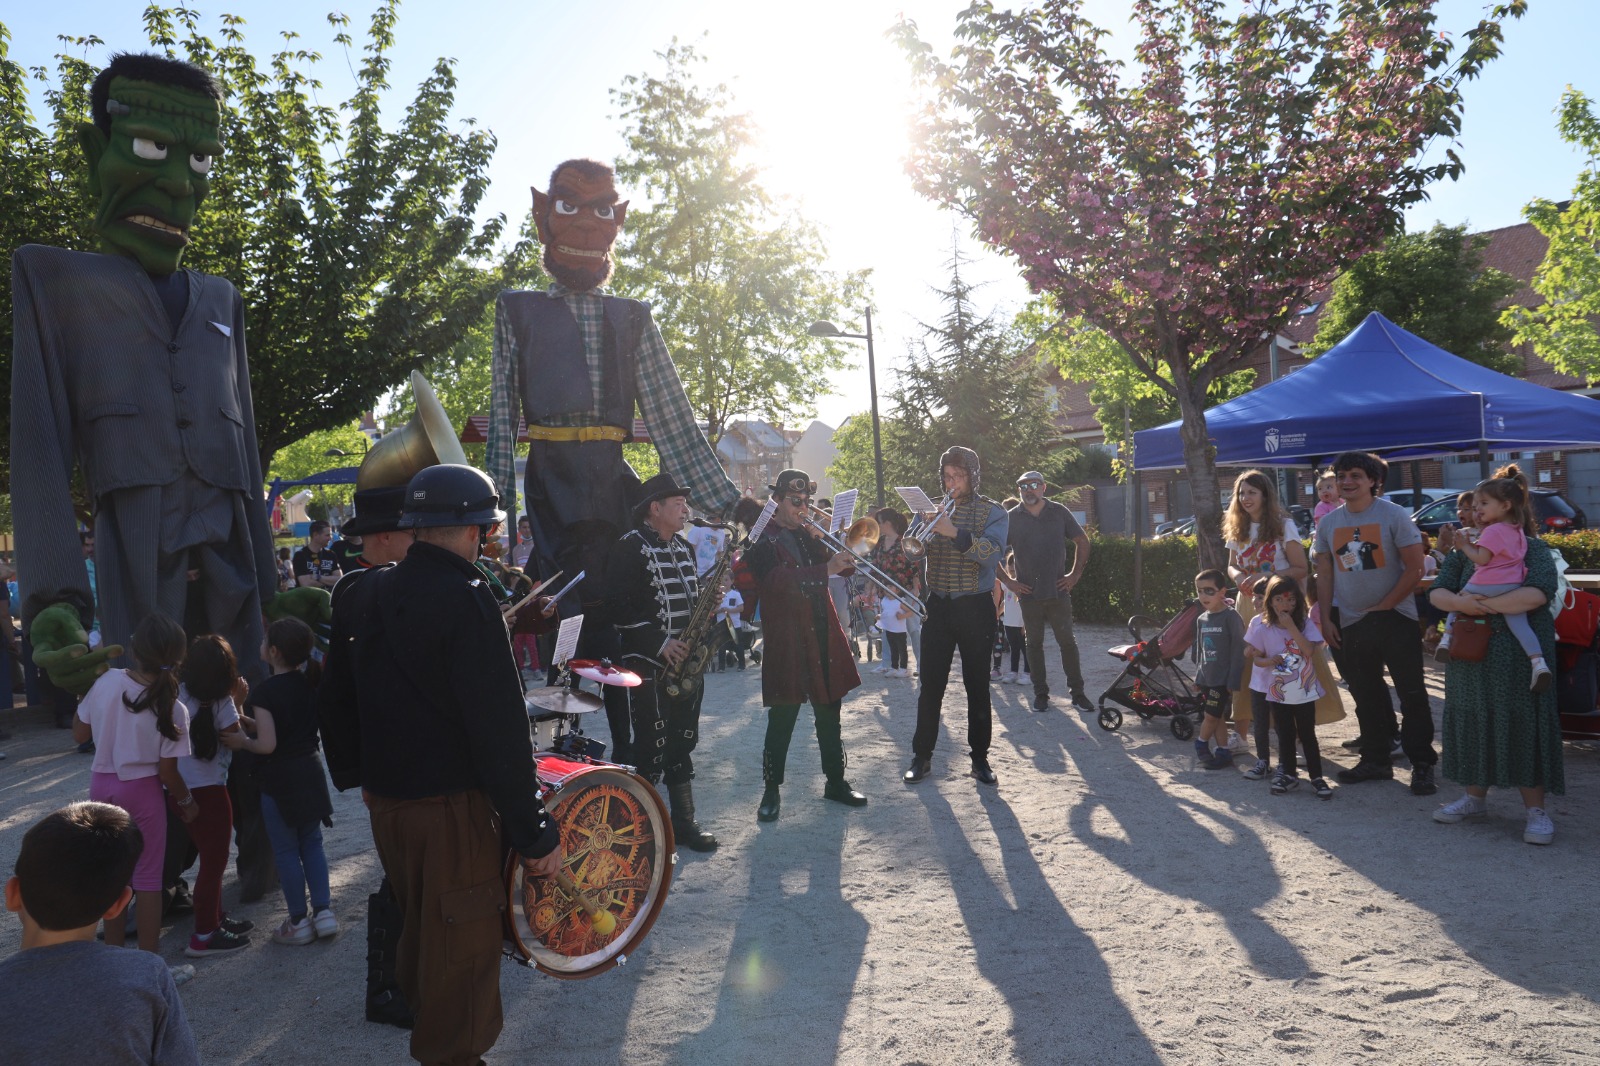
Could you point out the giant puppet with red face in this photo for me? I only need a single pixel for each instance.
(575, 362)
(134, 371)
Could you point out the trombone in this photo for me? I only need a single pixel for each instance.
(860, 538)
(915, 540)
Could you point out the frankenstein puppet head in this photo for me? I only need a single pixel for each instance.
(150, 149)
(578, 221)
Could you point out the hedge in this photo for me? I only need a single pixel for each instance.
(1105, 595)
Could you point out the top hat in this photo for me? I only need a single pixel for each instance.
(377, 511)
(796, 481)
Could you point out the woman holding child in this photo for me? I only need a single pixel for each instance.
(1499, 730)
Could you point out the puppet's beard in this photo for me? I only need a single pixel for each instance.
(577, 278)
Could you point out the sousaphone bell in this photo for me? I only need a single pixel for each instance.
(428, 439)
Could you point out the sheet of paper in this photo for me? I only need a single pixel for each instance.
(915, 499)
(761, 523)
(844, 510)
(567, 638)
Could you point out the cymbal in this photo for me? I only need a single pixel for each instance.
(547, 701)
(602, 671)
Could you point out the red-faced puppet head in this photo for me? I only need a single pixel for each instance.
(578, 222)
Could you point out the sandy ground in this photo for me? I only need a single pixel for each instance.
(1109, 902)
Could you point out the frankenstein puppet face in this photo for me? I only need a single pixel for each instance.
(153, 169)
(578, 220)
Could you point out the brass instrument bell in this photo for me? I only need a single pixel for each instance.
(428, 439)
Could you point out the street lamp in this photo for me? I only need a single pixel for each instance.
(828, 329)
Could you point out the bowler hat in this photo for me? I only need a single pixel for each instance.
(377, 511)
(661, 487)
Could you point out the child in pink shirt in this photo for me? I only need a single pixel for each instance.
(1498, 547)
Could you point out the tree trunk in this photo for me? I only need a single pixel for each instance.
(1200, 457)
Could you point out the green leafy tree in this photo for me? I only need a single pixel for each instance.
(1433, 284)
(1562, 329)
(309, 455)
(1189, 202)
(356, 246)
(968, 382)
(735, 276)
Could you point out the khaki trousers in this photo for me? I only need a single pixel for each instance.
(443, 858)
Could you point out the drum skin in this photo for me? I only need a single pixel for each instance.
(616, 845)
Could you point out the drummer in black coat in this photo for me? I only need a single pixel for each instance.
(426, 700)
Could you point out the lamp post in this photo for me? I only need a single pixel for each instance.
(828, 329)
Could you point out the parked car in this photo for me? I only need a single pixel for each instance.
(1554, 513)
(1417, 499)
(1178, 527)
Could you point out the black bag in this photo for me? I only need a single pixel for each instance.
(299, 786)
(1577, 682)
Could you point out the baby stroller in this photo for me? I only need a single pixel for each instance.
(1152, 684)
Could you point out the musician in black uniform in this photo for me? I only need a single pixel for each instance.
(651, 586)
(423, 702)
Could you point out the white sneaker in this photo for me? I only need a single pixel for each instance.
(295, 933)
(1237, 743)
(1541, 677)
(1540, 829)
(902, 672)
(881, 669)
(1010, 678)
(325, 923)
(1467, 808)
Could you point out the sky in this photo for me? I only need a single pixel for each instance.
(829, 93)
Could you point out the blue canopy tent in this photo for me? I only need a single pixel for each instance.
(343, 475)
(1383, 390)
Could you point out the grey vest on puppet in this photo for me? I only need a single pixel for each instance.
(554, 369)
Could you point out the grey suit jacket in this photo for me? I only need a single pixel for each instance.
(99, 377)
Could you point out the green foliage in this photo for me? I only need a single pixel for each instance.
(309, 455)
(1433, 284)
(1580, 548)
(355, 246)
(1562, 329)
(1105, 595)
(968, 382)
(735, 276)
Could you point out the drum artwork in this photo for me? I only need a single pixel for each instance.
(616, 839)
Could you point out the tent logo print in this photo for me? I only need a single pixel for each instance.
(1275, 439)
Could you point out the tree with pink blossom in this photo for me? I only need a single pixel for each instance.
(1187, 203)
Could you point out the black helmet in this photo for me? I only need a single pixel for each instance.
(450, 495)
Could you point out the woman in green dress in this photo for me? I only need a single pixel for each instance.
(1497, 733)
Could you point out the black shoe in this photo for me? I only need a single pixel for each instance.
(690, 835)
(1042, 703)
(985, 776)
(1422, 782)
(840, 791)
(1080, 701)
(1353, 744)
(389, 1008)
(771, 804)
(920, 768)
(237, 926)
(1366, 771)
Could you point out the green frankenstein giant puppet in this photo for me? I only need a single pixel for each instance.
(136, 369)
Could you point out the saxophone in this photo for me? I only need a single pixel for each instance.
(702, 632)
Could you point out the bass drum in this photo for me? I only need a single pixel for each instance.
(617, 846)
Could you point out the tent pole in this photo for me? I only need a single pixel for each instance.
(1416, 481)
(1483, 460)
(1138, 542)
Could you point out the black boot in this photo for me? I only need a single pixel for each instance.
(772, 774)
(684, 827)
(386, 1004)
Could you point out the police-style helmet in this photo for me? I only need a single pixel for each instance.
(450, 495)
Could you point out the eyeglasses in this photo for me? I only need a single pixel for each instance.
(1030, 484)
(798, 501)
(1207, 591)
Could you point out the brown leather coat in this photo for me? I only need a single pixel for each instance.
(805, 655)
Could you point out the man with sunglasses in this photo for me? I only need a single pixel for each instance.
(1040, 532)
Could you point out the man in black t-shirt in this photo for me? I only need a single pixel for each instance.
(347, 549)
(316, 564)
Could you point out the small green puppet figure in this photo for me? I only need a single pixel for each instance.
(135, 370)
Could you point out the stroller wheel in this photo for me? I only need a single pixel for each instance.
(1110, 718)
(1182, 726)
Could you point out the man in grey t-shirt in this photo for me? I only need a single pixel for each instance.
(1369, 560)
(1039, 533)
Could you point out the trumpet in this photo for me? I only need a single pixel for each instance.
(915, 541)
(860, 538)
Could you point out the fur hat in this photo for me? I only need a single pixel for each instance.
(966, 459)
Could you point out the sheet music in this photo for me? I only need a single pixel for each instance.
(844, 510)
(567, 638)
(761, 523)
(916, 499)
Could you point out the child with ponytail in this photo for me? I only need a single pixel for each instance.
(140, 729)
(294, 786)
(212, 689)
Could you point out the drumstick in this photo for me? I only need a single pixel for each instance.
(568, 587)
(604, 922)
(546, 583)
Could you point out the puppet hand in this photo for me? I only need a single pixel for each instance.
(61, 649)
